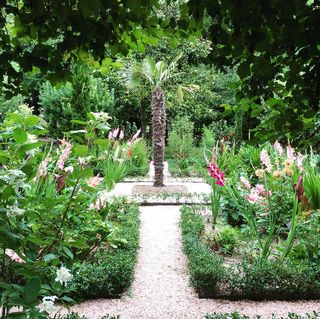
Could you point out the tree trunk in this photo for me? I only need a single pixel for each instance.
(158, 134)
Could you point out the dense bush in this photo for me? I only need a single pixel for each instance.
(254, 279)
(111, 274)
(138, 160)
(74, 100)
(237, 315)
(206, 269)
(74, 315)
(10, 105)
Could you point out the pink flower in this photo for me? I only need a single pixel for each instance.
(43, 167)
(65, 154)
(94, 181)
(135, 136)
(265, 159)
(14, 256)
(110, 136)
(300, 162)
(290, 152)
(253, 197)
(115, 132)
(278, 147)
(261, 190)
(121, 135)
(216, 173)
(245, 183)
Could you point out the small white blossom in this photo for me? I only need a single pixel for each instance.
(15, 211)
(69, 169)
(48, 303)
(64, 275)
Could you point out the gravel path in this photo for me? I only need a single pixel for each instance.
(160, 289)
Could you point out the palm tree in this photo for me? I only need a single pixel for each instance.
(148, 74)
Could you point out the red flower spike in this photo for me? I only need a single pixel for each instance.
(216, 173)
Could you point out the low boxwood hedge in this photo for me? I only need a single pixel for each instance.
(112, 273)
(254, 279)
(236, 315)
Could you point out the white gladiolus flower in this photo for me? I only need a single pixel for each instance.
(15, 211)
(48, 303)
(64, 275)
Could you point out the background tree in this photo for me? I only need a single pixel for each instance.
(151, 75)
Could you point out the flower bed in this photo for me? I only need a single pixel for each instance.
(109, 275)
(252, 278)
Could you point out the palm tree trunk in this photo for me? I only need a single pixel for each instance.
(158, 134)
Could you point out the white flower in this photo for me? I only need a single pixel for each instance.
(15, 211)
(69, 169)
(48, 303)
(64, 275)
(32, 139)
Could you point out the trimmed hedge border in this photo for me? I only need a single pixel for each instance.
(113, 274)
(250, 279)
(236, 315)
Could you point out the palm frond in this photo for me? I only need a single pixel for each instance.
(184, 90)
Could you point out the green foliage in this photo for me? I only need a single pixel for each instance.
(112, 273)
(266, 277)
(73, 101)
(237, 315)
(308, 246)
(204, 106)
(114, 172)
(206, 269)
(56, 107)
(227, 238)
(138, 161)
(180, 140)
(311, 184)
(10, 105)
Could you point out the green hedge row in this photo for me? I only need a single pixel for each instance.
(236, 315)
(254, 279)
(74, 315)
(113, 273)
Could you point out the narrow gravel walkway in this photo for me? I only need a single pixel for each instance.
(160, 289)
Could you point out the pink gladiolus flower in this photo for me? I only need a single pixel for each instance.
(115, 132)
(300, 162)
(290, 152)
(216, 173)
(265, 159)
(43, 167)
(278, 147)
(253, 197)
(135, 136)
(94, 181)
(65, 154)
(14, 256)
(245, 183)
(261, 191)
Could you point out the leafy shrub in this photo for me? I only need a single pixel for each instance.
(56, 107)
(255, 279)
(261, 277)
(237, 315)
(74, 315)
(112, 273)
(206, 269)
(226, 239)
(10, 105)
(73, 101)
(138, 161)
(180, 139)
